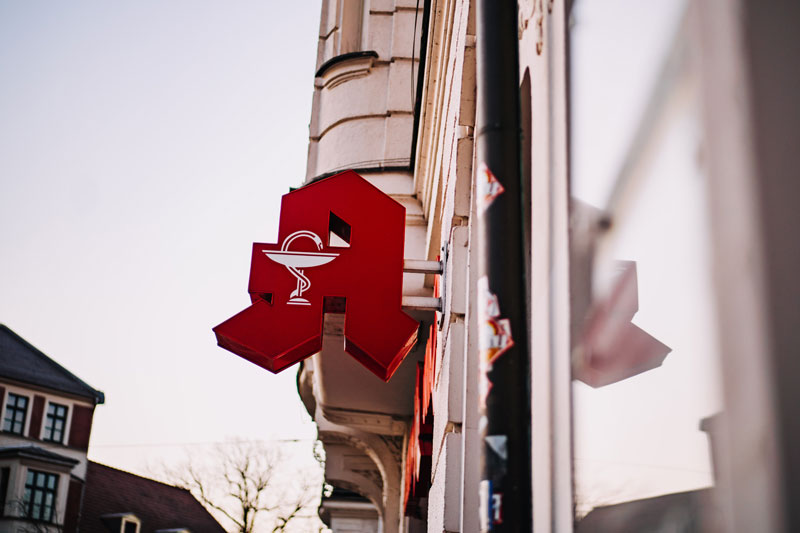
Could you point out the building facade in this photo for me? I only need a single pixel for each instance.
(47, 420)
(47, 483)
(656, 196)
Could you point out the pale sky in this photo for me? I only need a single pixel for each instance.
(143, 147)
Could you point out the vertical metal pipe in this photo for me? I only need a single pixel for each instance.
(505, 374)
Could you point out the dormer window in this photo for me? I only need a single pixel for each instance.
(130, 524)
(16, 413)
(126, 522)
(55, 422)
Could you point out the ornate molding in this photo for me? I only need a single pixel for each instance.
(346, 67)
(382, 450)
(395, 445)
(377, 423)
(373, 475)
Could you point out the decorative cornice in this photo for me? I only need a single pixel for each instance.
(345, 67)
(342, 58)
(395, 445)
(377, 423)
(366, 167)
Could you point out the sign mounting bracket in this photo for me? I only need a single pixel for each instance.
(422, 303)
(419, 266)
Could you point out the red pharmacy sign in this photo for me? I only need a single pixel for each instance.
(340, 248)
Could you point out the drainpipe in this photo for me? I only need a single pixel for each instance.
(505, 486)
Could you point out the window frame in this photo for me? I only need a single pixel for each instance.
(130, 520)
(50, 419)
(343, 28)
(15, 408)
(31, 488)
(350, 26)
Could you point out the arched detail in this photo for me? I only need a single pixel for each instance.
(338, 474)
(381, 454)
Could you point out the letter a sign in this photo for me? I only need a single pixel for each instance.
(340, 242)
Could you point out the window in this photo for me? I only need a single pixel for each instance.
(16, 411)
(130, 526)
(647, 393)
(342, 25)
(40, 495)
(350, 21)
(55, 422)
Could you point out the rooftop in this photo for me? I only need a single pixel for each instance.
(159, 506)
(23, 362)
(35, 452)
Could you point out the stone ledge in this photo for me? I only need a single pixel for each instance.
(345, 67)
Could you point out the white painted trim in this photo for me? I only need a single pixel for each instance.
(49, 398)
(67, 423)
(133, 519)
(20, 392)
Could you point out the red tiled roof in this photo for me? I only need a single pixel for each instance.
(157, 505)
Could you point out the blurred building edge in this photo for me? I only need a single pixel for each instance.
(694, 510)
(682, 511)
(47, 484)
(395, 100)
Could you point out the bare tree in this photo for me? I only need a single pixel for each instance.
(254, 487)
(21, 509)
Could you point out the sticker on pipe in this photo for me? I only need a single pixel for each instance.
(490, 506)
(495, 334)
(489, 188)
(496, 338)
